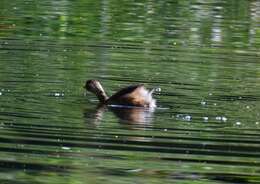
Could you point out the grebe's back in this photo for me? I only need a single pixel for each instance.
(135, 95)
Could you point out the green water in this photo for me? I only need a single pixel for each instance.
(204, 55)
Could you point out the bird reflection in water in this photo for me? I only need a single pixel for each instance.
(132, 104)
(125, 114)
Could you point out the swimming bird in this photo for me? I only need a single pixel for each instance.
(134, 95)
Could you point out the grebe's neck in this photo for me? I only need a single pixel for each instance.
(96, 88)
(102, 96)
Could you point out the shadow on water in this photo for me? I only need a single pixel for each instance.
(125, 114)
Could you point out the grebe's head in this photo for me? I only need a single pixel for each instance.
(95, 87)
(92, 85)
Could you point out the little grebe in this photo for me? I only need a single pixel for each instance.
(136, 95)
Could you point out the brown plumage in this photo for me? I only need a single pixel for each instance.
(136, 95)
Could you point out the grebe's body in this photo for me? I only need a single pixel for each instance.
(136, 95)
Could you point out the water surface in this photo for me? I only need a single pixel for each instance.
(203, 55)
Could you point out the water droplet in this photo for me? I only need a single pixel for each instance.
(0, 93)
(221, 118)
(218, 118)
(65, 148)
(135, 170)
(165, 130)
(58, 94)
(224, 119)
(158, 89)
(208, 168)
(205, 118)
(203, 103)
(187, 117)
(238, 123)
(257, 123)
